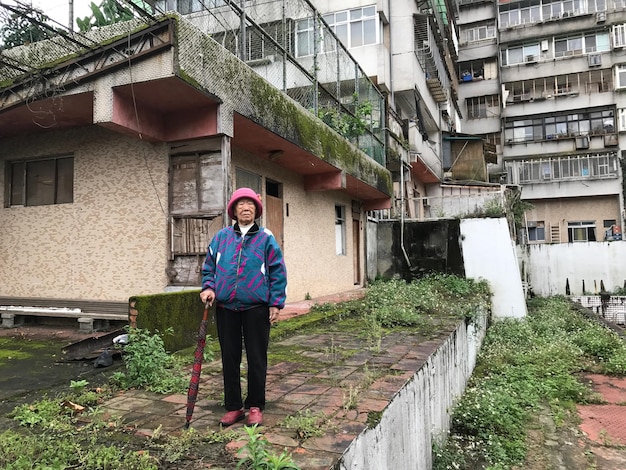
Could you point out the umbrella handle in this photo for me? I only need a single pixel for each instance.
(205, 314)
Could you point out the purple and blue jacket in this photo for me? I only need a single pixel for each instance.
(245, 271)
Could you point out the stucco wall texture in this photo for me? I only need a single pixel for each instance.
(309, 233)
(111, 243)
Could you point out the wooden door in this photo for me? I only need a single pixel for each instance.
(274, 218)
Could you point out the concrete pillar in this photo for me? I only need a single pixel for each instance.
(85, 324)
(8, 320)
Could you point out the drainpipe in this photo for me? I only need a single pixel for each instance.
(242, 26)
(402, 207)
(391, 87)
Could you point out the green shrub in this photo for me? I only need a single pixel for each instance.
(149, 366)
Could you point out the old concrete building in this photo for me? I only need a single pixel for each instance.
(121, 148)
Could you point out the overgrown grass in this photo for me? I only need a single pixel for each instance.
(398, 303)
(525, 364)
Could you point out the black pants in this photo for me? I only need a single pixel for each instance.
(254, 326)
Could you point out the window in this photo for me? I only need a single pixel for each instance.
(596, 5)
(581, 231)
(483, 106)
(340, 230)
(619, 35)
(560, 126)
(483, 69)
(41, 182)
(247, 179)
(187, 6)
(620, 76)
(576, 45)
(598, 42)
(494, 138)
(356, 27)
(536, 231)
(520, 54)
(305, 43)
(479, 32)
(520, 15)
(592, 166)
(561, 9)
(621, 126)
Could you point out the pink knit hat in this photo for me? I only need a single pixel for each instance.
(250, 194)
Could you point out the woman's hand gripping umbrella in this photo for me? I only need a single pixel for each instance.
(192, 392)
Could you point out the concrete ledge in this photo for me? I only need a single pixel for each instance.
(61, 313)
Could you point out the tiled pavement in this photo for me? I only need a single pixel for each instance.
(327, 390)
(604, 424)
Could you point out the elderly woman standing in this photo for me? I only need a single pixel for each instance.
(244, 273)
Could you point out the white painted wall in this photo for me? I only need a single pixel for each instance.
(489, 253)
(420, 412)
(550, 267)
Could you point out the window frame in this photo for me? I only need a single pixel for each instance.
(620, 71)
(344, 24)
(478, 107)
(538, 231)
(618, 35)
(340, 230)
(59, 177)
(581, 231)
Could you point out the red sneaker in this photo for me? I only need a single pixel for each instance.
(231, 417)
(255, 416)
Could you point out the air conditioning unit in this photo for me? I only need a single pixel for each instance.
(594, 60)
(530, 59)
(582, 142)
(600, 16)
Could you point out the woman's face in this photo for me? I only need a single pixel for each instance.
(245, 211)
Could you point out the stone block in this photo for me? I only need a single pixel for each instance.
(85, 324)
(8, 320)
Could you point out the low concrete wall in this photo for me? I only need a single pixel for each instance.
(581, 267)
(420, 412)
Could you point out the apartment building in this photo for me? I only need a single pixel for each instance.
(544, 81)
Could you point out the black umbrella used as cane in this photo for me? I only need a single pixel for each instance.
(192, 392)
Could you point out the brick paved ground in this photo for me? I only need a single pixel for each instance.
(604, 424)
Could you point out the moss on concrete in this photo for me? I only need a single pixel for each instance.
(178, 312)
